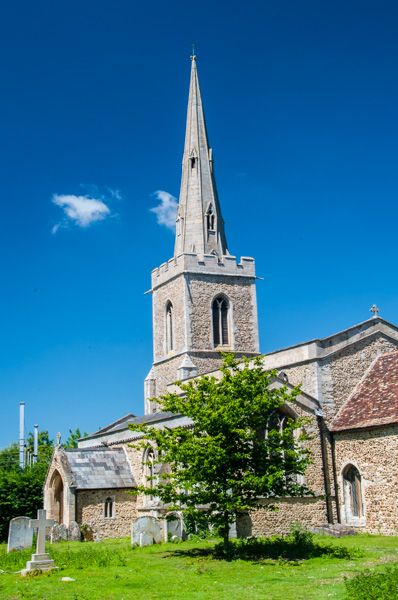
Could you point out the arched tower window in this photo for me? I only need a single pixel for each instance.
(169, 327)
(352, 492)
(108, 508)
(220, 310)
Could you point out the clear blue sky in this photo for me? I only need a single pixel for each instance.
(301, 101)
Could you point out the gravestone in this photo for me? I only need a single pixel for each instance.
(59, 533)
(40, 560)
(74, 532)
(20, 535)
(174, 528)
(146, 531)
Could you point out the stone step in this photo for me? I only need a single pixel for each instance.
(335, 530)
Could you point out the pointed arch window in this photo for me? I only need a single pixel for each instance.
(169, 327)
(220, 314)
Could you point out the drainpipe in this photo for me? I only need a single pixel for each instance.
(336, 484)
(325, 467)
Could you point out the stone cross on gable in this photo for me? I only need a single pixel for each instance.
(375, 310)
(41, 524)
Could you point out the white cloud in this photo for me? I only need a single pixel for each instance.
(80, 210)
(166, 210)
(116, 194)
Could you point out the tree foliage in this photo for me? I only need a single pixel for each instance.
(233, 452)
(21, 493)
(21, 490)
(73, 438)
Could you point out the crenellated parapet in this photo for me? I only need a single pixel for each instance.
(207, 264)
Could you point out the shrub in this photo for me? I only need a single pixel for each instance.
(369, 585)
(299, 544)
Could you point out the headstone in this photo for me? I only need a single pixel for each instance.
(59, 533)
(174, 528)
(232, 531)
(146, 539)
(40, 560)
(74, 532)
(146, 531)
(20, 535)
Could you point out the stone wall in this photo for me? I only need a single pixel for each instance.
(305, 375)
(308, 511)
(341, 372)
(174, 292)
(374, 453)
(243, 311)
(90, 511)
(191, 295)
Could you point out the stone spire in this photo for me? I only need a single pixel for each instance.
(199, 226)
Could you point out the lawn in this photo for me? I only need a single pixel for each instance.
(112, 570)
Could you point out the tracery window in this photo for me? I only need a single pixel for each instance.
(281, 438)
(220, 314)
(109, 508)
(169, 327)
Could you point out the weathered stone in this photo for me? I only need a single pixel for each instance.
(146, 539)
(40, 560)
(91, 510)
(174, 527)
(74, 534)
(59, 533)
(146, 531)
(20, 535)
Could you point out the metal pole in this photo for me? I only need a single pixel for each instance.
(35, 442)
(22, 435)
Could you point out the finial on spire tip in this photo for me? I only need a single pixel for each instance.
(193, 55)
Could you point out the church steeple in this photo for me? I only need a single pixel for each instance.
(199, 226)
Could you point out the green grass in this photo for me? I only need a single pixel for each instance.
(112, 570)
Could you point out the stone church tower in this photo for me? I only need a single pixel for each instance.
(204, 300)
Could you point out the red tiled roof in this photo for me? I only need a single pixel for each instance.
(374, 401)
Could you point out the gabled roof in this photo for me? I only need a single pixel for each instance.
(98, 468)
(123, 424)
(126, 419)
(374, 401)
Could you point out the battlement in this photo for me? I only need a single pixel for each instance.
(207, 264)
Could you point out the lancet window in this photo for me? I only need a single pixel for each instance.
(220, 314)
(169, 327)
(109, 508)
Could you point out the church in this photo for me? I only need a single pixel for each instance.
(204, 303)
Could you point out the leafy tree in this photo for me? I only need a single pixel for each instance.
(233, 453)
(74, 437)
(21, 491)
(9, 457)
(45, 446)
